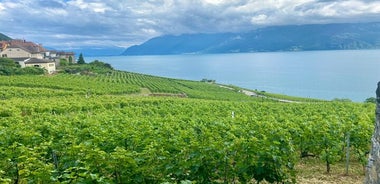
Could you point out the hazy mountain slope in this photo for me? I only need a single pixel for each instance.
(275, 38)
(4, 37)
(92, 51)
(187, 43)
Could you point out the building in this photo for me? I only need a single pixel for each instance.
(20, 52)
(48, 65)
(21, 49)
(57, 56)
(27, 54)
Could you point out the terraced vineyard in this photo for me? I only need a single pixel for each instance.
(102, 129)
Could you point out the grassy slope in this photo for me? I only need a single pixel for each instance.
(137, 85)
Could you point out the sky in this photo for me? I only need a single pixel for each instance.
(65, 24)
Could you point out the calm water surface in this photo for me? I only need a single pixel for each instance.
(315, 74)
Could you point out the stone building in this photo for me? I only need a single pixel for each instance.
(27, 54)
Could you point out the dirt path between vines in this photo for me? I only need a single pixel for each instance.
(253, 94)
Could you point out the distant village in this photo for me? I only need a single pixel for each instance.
(27, 53)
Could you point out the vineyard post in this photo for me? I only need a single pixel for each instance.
(348, 153)
(373, 167)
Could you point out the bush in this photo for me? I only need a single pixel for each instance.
(8, 63)
(10, 67)
(95, 67)
(370, 100)
(6, 70)
(100, 64)
(63, 62)
(30, 71)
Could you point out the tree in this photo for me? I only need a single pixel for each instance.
(81, 59)
(370, 100)
(6, 62)
(70, 59)
(7, 66)
(101, 64)
(63, 62)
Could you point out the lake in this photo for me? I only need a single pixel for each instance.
(351, 74)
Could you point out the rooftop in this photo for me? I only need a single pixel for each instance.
(35, 60)
(25, 45)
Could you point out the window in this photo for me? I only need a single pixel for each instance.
(36, 65)
(51, 65)
(4, 55)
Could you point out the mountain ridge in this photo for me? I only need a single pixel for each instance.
(342, 36)
(4, 37)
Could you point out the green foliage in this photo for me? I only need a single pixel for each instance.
(99, 64)
(285, 97)
(63, 62)
(92, 68)
(208, 80)
(30, 71)
(6, 62)
(341, 100)
(370, 100)
(9, 67)
(70, 60)
(162, 85)
(6, 70)
(81, 59)
(85, 129)
(57, 85)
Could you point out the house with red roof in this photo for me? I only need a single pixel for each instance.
(27, 54)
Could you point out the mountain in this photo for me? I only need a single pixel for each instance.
(268, 39)
(4, 37)
(92, 51)
(187, 43)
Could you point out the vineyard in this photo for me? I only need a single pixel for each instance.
(105, 129)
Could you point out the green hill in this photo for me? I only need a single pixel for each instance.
(123, 127)
(4, 37)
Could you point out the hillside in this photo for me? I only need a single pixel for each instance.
(4, 37)
(122, 127)
(268, 39)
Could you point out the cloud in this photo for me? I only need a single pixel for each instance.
(67, 23)
(259, 19)
(97, 7)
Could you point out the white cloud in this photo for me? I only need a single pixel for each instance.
(215, 2)
(126, 22)
(259, 19)
(11, 5)
(98, 7)
(79, 4)
(1, 7)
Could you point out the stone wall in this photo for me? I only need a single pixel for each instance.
(373, 168)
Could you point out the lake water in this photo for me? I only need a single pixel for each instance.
(351, 74)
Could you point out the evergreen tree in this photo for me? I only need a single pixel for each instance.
(81, 59)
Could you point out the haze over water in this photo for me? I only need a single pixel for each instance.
(351, 74)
